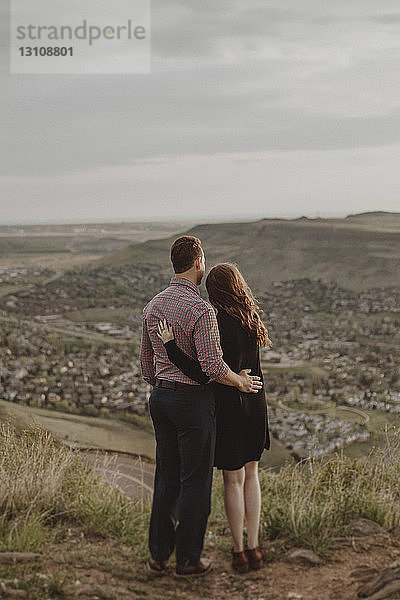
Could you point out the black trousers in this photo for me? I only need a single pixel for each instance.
(184, 424)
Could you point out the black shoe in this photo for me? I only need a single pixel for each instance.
(157, 567)
(188, 570)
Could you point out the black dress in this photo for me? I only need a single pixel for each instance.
(242, 420)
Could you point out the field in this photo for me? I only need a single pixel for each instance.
(61, 247)
(82, 431)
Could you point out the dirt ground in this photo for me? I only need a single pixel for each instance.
(96, 568)
(282, 580)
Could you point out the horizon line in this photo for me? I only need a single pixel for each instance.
(196, 219)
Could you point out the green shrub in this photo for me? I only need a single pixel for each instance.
(22, 534)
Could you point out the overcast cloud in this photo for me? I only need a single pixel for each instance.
(253, 108)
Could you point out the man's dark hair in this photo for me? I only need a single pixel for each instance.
(184, 252)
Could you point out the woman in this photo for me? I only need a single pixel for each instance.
(242, 422)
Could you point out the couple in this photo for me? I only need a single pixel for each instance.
(206, 409)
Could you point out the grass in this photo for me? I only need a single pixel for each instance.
(306, 504)
(111, 432)
(310, 502)
(306, 371)
(52, 502)
(44, 485)
(95, 315)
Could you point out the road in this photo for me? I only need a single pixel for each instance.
(129, 474)
(57, 275)
(351, 409)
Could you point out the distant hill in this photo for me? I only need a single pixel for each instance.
(358, 252)
(378, 220)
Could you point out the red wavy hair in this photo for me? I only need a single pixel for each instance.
(228, 291)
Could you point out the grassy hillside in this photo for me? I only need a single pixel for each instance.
(358, 252)
(84, 431)
(378, 220)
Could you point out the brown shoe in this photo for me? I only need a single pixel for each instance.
(188, 570)
(240, 562)
(157, 567)
(255, 558)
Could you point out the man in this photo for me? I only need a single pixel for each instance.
(183, 413)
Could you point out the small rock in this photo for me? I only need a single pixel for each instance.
(17, 594)
(364, 528)
(386, 582)
(6, 592)
(294, 596)
(8, 558)
(304, 556)
(386, 592)
(95, 591)
(364, 573)
(395, 531)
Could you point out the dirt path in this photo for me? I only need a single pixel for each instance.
(132, 476)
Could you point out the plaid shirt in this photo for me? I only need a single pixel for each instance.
(195, 329)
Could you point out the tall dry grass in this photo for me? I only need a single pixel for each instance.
(44, 484)
(309, 503)
(312, 501)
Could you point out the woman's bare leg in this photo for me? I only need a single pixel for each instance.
(252, 503)
(234, 505)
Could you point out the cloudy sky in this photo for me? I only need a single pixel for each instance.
(256, 108)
